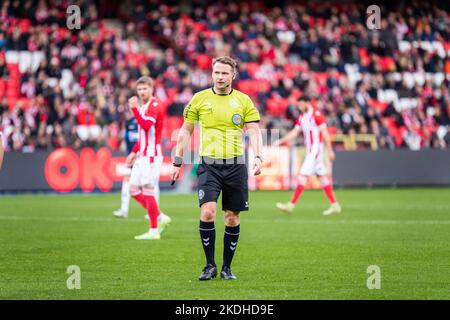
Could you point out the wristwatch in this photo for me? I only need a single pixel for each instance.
(177, 161)
(260, 158)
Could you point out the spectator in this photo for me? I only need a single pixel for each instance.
(324, 50)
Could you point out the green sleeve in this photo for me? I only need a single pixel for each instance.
(251, 114)
(190, 113)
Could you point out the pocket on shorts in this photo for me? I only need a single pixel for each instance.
(201, 169)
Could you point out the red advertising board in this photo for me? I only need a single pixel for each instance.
(65, 170)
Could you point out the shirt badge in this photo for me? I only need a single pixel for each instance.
(236, 119)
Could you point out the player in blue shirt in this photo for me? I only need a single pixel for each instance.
(131, 134)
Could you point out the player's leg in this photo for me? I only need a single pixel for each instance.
(234, 200)
(327, 187)
(136, 193)
(208, 238)
(305, 171)
(230, 240)
(124, 198)
(163, 219)
(209, 187)
(148, 179)
(135, 183)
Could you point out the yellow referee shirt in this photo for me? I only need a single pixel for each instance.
(222, 118)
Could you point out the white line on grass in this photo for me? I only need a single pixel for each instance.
(282, 221)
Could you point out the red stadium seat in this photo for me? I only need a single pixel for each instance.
(25, 103)
(378, 104)
(171, 123)
(246, 86)
(277, 106)
(399, 136)
(199, 26)
(292, 70)
(446, 45)
(203, 61)
(447, 67)
(252, 68)
(13, 69)
(171, 93)
(2, 87)
(364, 56)
(320, 77)
(252, 87)
(387, 64)
(12, 102)
(332, 130)
(24, 25)
(395, 132)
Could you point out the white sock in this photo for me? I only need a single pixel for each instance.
(153, 231)
(156, 191)
(161, 216)
(125, 196)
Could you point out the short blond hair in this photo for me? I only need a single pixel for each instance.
(226, 60)
(145, 80)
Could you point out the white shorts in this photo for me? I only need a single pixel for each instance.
(312, 166)
(146, 173)
(123, 170)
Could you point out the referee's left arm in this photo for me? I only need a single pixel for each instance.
(182, 143)
(256, 143)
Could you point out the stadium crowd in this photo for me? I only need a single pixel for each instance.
(392, 82)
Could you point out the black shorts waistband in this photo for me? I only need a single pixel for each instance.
(236, 160)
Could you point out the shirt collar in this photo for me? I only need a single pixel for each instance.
(146, 105)
(212, 88)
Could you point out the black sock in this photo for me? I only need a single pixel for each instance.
(208, 238)
(230, 239)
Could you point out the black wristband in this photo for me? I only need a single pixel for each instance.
(177, 161)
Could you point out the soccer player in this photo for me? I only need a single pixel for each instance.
(224, 113)
(148, 153)
(131, 138)
(312, 123)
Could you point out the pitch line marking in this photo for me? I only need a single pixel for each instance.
(281, 221)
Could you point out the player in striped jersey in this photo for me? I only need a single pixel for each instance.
(312, 123)
(131, 137)
(147, 150)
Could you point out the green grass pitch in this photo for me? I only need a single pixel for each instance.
(406, 232)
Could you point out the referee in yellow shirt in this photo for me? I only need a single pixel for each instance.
(224, 113)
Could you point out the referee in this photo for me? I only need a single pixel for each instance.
(224, 113)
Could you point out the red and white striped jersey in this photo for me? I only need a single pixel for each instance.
(150, 119)
(310, 123)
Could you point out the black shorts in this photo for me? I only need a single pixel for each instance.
(230, 178)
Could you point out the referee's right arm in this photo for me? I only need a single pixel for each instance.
(182, 141)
